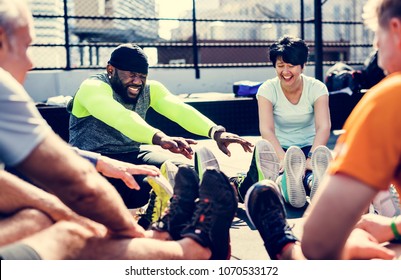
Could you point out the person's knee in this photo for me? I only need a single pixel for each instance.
(22, 224)
(72, 232)
(36, 219)
(62, 240)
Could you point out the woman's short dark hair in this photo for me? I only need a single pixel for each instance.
(291, 49)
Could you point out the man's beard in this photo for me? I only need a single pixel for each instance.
(122, 90)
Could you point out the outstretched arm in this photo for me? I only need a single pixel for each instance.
(53, 166)
(170, 106)
(380, 227)
(16, 194)
(224, 139)
(267, 128)
(118, 169)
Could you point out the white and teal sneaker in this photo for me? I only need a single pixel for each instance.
(321, 157)
(291, 182)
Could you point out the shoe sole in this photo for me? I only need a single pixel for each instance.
(248, 194)
(163, 190)
(160, 185)
(169, 170)
(205, 159)
(294, 166)
(387, 203)
(267, 161)
(321, 158)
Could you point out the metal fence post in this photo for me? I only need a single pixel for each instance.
(302, 20)
(318, 41)
(67, 38)
(195, 41)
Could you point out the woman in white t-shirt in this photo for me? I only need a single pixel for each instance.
(294, 118)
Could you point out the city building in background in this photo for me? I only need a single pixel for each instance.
(240, 22)
(229, 33)
(91, 24)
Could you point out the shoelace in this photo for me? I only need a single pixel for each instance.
(171, 209)
(201, 215)
(273, 221)
(237, 180)
(149, 209)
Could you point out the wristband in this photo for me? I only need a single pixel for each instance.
(310, 155)
(91, 156)
(216, 128)
(397, 235)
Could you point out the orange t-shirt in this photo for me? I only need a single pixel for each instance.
(370, 148)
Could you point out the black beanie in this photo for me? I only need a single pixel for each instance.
(129, 57)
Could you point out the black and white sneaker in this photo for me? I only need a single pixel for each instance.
(182, 204)
(214, 213)
(265, 210)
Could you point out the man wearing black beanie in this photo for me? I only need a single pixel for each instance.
(108, 117)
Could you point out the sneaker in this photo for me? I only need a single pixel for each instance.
(163, 192)
(267, 162)
(387, 203)
(214, 213)
(321, 158)
(204, 159)
(237, 181)
(182, 205)
(169, 170)
(291, 182)
(145, 217)
(265, 210)
(265, 165)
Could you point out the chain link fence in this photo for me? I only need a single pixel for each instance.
(80, 34)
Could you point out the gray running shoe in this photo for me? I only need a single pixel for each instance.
(267, 161)
(204, 159)
(321, 158)
(387, 203)
(291, 182)
(265, 165)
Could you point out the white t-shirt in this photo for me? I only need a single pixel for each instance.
(294, 124)
(22, 127)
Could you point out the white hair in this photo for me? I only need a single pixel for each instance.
(13, 14)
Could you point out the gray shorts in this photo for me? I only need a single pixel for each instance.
(18, 251)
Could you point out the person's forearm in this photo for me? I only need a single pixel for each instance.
(396, 227)
(76, 182)
(321, 137)
(91, 156)
(16, 194)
